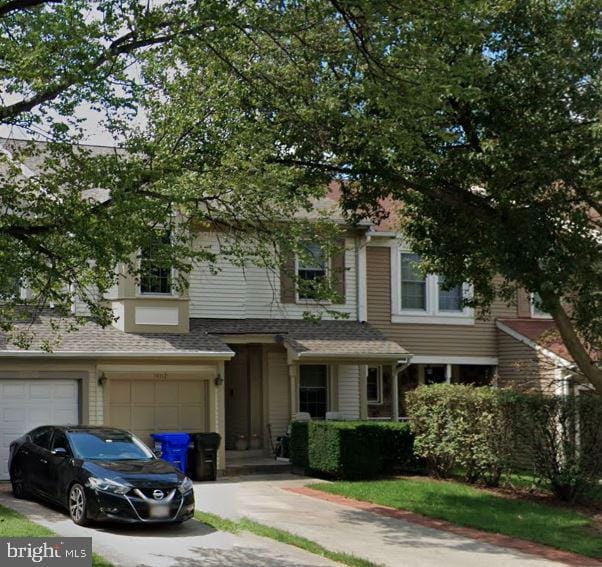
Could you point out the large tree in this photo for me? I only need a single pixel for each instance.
(71, 213)
(481, 117)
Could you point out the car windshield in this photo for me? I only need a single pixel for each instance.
(109, 446)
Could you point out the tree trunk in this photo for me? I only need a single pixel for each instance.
(574, 345)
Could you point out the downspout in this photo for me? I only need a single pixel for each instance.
(397, 370)
(360, 261)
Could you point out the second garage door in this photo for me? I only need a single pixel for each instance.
(146, 406)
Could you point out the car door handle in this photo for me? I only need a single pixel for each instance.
(43, 460)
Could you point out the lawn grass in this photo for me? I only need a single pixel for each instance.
(247, 525)
(13, 524)
(465, 505)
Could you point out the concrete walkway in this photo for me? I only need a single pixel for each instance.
(385, 541)
(190, 545)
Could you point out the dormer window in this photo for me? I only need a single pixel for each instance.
(155, 275)
(312, 270)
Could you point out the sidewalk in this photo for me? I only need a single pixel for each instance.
(383, 540)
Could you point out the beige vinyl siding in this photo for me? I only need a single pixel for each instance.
(522, 367)
(254, 292)
(436, 340)
(278, 392)
(349, 391)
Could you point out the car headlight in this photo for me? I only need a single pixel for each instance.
(185, 485)
(108, 485)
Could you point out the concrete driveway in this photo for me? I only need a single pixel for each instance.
(188, 545)
(383, 540)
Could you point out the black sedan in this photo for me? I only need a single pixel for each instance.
(99, 473)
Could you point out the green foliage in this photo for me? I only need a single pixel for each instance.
(298, 445)
(563, 437)
(460, 426)
(486, 432)
(482, 117)
(352, 449)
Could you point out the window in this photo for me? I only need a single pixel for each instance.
(449, 299)
(413, 284)
(434, 375)
(155, 276)
(536, 310)
(313, 389)
(60, 442)
(423, 300)
(374, 385)
(41, 437)
(311, 271)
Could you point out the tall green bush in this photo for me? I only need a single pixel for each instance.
(486, 431)
(457, 426)
(563, 436)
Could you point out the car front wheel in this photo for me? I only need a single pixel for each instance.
(77, 505)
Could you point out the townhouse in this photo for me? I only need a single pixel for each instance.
(235, 354)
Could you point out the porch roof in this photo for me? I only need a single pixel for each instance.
(306, 339)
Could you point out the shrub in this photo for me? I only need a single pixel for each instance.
(460, 426)
(352, 450)
(563, 437)
(298, 444)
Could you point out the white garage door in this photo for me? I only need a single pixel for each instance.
(25, 404)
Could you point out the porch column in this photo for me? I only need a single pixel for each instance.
(363, 392)
(293, 371)
(394, 393)
(448, 373)
(220, 415)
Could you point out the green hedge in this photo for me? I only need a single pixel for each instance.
(352, 450)
(486, 432)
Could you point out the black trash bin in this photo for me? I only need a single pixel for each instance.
(202, 456)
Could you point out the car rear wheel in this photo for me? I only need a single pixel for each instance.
(78, 507)
(18, 485)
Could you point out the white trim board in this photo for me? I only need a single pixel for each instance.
(116, 354)
(526, 341)
(476, 360)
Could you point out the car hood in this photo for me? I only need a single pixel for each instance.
(136, 472)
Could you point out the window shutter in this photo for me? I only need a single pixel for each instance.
(338, 271)
(523, 303)
(287, 279)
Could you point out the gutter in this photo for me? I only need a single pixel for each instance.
(227, 355)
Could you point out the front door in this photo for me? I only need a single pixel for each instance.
(237, 398)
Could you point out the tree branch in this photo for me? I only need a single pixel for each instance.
(15, 5)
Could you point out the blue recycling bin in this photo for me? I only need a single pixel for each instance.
(173, 447)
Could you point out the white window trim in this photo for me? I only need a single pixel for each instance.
(535, 315)
(431, 315)
(158, 295)
(379, 383)
(308, 301)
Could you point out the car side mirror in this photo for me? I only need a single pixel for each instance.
(60, 452)
(158, 453)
